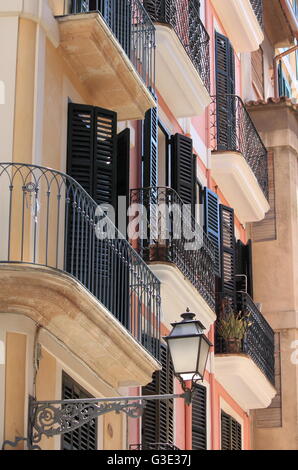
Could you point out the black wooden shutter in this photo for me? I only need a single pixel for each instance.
(105, 157)
(183, 174)
(91, 155)
(85, 437)
(231, 433)
(225, 86)
(166, 408)
(244, 266)
(158, 417)
(150, 167)
(212, 224)
(227, 243)
(123, 174)
(199, 418)
(80, 165)
(80, 160)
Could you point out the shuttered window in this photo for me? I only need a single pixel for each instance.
(93, 162)
(158, 417)
(225, 86)
(228, 261)
(257, 68)
(231, 433)
(184, 169)
(199, 418)
(212, 225)
(85, 437)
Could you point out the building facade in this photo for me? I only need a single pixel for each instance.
(140, 107)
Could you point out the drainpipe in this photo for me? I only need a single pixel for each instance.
(275, 67)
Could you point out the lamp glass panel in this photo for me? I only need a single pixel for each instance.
(204, 351)
(184, 353)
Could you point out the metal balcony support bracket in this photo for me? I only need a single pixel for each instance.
(55, 418)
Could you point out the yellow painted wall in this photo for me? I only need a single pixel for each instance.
(15, 387)
(113, 432)
(46, 387)
(23, 130)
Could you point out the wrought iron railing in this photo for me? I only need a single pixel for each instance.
(184, 18)
(154, 446)
(257, 6)
(48, 219)
(233, 130)
(258, 342)
(173, 235)
(133, 28)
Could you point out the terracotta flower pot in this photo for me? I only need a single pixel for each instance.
(233, 345)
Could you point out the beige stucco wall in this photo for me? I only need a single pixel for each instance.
(276, 266)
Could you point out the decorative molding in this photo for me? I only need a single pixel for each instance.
(178, 81)
(177, 293)
(240, 24)
(244, 381)
(62, 306)
(239, 185)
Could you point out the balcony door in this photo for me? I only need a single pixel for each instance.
(95, 157)
(226, 113)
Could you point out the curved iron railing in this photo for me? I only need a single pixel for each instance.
(259, 339)
(48, 219)
(233, 130)
(133, 28)
(173, 235)
(257, 6)
(184, 18)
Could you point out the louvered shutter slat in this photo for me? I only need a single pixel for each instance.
(158, 417)
(199, 418)
(228, 261)
(150, 177)
(212, 224)
(183, 169)
(231, 433)
(225, 86)
(85, 437)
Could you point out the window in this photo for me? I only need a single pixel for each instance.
(231, 433)
(199, 418)
(84, 438)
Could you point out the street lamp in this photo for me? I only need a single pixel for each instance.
(189, 349)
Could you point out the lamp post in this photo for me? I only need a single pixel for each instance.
(189, 349)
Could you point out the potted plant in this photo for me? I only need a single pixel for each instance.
(232, 327)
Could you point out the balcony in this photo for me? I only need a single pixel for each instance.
(89, 289)
(179, 253)
(182, 56)
(242, 22)
(281, 22)
(239, 158)
(248, 375)
(111, 48)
